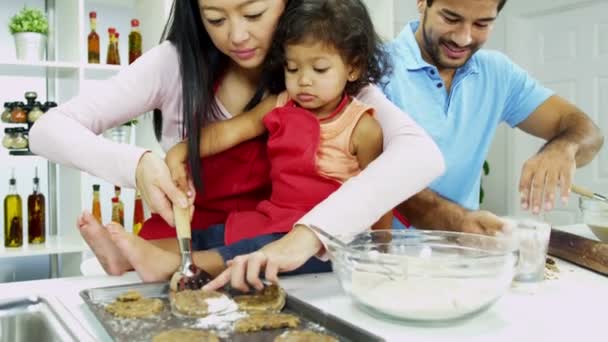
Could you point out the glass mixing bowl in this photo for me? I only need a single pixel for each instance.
(425, 276)
(595, 216)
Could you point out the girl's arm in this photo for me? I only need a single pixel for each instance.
(366, 144)
(222, 135)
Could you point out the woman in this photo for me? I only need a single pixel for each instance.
(209, 68)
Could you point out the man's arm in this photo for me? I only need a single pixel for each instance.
(573, 140)
(428, 210)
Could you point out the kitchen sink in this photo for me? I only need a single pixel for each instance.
(32, 319)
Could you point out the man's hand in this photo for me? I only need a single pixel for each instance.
(552, 167)
(482, 222)
(283, 255)
(157, 189)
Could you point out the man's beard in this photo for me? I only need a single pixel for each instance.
(434, 50)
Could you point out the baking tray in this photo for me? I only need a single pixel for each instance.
(121, 329)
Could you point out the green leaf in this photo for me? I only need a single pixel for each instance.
(29, 20)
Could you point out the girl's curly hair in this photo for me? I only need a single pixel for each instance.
(342, 24)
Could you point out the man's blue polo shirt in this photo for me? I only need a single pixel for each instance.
(486, 91)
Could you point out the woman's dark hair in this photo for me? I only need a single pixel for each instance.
(201, 66)
(342, 24)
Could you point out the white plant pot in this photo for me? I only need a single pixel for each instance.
(30, 46)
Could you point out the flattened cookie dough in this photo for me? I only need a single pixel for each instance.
(179, 335)
(132, 305)
(270, 299)
(194, 302)
(266, 321)
(304, 336)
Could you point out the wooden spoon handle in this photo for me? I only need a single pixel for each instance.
(182, 222)
(581, 191)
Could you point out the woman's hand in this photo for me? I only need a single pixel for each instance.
(283, 255)
(177, 160)
(157, 188)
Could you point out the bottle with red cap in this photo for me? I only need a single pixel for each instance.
(135, 47)
(113, 57)
(93, 40)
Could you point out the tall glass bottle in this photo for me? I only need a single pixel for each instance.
(138, 213)
(36, 214)
(112, 56)
(96, 207)
(93, 40)
(118, 209)
(13, 216)
(134, 41)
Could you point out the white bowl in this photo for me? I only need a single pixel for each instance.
(595, 216)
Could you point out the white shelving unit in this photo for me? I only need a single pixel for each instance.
(58, 79)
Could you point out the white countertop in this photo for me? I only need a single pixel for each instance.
(572, 307)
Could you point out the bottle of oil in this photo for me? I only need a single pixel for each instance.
(118, 208)
(13, 216)
(36, 214)
(134, 41)
(93, 40)
(96, 208)
(138, 213)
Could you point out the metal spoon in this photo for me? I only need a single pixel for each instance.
(189, 276)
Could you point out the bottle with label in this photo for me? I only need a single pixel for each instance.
(118, 209)
(134, 41)
(112, 57)
(36, 214)
(93, 40)
(138, 213)
(96, 208)
(13, 216)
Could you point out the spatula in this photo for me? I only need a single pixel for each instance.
(587, 193)
(189, 276)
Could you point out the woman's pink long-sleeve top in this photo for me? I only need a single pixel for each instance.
(69, 134)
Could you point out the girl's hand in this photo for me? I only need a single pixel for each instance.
(283, 255)
(157, 188)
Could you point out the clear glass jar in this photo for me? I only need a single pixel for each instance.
(18, 114)
(35, 113)
(6, 114)
(9, 137)
(20, 141)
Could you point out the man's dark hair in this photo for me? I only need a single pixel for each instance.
(501, 4)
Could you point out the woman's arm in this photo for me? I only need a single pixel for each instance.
(409, 162)
(69, 134)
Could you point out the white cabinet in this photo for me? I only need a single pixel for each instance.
(60, 78)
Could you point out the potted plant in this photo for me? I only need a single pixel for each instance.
(30, 28)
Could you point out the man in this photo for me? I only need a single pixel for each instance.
(460, 94)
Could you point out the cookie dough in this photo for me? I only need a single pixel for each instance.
(266, 321)
(179, 335)
(270, 299)
(304, 336)
(132, 305)
(194, 302)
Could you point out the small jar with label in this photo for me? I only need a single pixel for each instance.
(9, 138)
(35, 113)
(18, 114)
(6, 114)
(20, 141)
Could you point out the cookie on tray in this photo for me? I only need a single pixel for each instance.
(179, 335)
(304, 336)
(266, 321)
(195, 302)
(131, 304)
(270, 299)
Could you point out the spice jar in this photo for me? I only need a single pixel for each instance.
(18, 114)
(6, 114)
(30, 96)
(9, 137)
(20, 141)
(35, 113)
